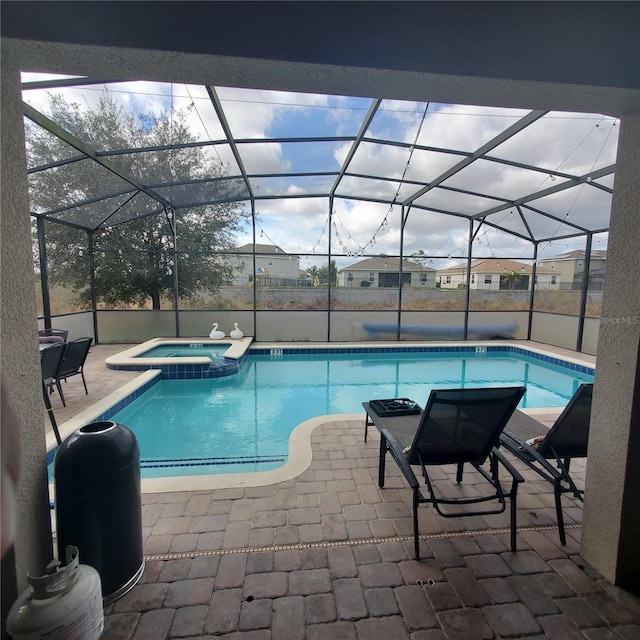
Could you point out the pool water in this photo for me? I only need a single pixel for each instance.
(243, 422)
(186, 351)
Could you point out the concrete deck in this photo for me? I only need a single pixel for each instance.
(328, 554)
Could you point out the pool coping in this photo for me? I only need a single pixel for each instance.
(299, 450)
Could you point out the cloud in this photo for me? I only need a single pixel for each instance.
(572, 143)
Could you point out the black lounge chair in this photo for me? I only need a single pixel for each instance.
(50, 361)
(566, 439)
(73, 361)
(457, 426)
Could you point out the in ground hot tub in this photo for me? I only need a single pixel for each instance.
(184, 358)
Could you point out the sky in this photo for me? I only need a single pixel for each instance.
(559, 143)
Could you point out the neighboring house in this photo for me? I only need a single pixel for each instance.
(570, 268)
(272, 266)
(381, 272)
(496, 275)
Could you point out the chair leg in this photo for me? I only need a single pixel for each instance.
(84, 382)
(514, 513)
(381, 461)
(557, 493)
(59, 387)
(416, 541)
(459, 471)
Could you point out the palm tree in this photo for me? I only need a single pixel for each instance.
(314, 276)
(511, 278)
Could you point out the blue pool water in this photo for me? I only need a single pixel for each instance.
(242, 422)
(186, 351)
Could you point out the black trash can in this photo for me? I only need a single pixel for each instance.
(98, 510)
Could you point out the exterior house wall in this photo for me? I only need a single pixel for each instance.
(459, 280)
(364, 274)
(545, 281)
(285, 267)
(455, 279)
(478, 281)
(358, 275)
(571, 270)
(564, 269)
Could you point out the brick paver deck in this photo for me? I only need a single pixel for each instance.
(329, 555)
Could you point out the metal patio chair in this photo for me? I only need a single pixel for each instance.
(458, 426)
(75, 356)
(567, 439)
(50, 361)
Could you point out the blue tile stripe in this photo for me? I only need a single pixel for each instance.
(206, 462)
(227, 367)
(261, 351)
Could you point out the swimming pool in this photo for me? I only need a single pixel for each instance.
(242, 423)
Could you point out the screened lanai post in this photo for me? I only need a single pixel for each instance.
(92, 285)
(173, 223)
(44, 273)
(253, 259)
(465, 334)
(331, 200)
(534, 275)
(585, 290)
(403, 220)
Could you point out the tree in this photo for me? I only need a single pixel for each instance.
(511, 278)
(325, 273)
(136, 261)
(312, 272)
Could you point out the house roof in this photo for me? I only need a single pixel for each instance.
(494, 265)
(270, 249)
(578, 254)
(383, 263)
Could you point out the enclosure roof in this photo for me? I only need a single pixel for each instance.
(537, 175)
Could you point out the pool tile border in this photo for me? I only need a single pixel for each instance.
(574, 366)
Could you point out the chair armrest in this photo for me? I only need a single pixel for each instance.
(525, 452)
(395, 450)
(507, 465)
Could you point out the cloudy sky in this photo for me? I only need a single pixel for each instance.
(558, 144)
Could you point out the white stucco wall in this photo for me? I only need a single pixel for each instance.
(611, 527)
(20, 356)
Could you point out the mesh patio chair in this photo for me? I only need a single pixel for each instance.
(567, 439)
(458, 426)
(50, 361)
(74, 358)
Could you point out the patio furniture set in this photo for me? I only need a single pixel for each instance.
(60, 360)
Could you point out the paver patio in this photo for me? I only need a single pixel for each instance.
(329, 555)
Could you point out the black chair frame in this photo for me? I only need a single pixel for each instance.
(51, 360)
(486, 463)
(73, 360)
(388, 443)
(539, 460)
